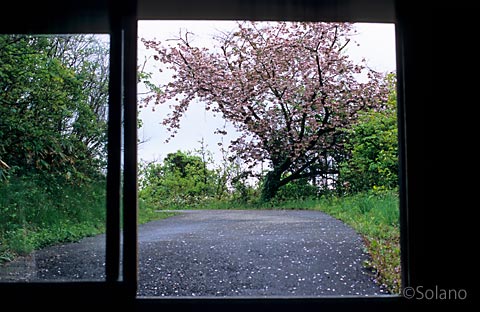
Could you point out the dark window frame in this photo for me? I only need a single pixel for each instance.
(120, 21)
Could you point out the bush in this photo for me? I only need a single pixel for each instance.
(297, 190)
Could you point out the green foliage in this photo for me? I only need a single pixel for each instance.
(181, 181)
(53, 105)
(372, 149)
(192, 180)
(148, 213)
(35, 213)
(297, 190)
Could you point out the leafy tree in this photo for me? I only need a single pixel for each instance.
(372, 146)
(289, 88)
(182, 179)
(53, 103)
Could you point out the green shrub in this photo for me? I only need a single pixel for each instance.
(297, 190)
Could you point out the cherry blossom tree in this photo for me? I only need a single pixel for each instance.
(290, 88)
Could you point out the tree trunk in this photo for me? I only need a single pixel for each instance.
(271, 185)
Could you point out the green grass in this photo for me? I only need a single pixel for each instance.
(35, 214)
(148, 213)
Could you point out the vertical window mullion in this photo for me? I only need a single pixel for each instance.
(406, 229)
(114, 152)
(129, 74)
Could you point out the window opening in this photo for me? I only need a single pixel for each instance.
(54, 92)
(216, 121)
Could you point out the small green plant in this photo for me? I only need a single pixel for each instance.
(20, 242)
(365, 204)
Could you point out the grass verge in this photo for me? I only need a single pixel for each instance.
(148, 213)
(35, 214)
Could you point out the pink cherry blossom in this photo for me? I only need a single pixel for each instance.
(289, 88)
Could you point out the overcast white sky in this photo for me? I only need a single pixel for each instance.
(377, 46)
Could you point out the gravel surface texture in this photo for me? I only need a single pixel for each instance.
(223, 253)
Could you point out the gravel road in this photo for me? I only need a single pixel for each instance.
(224, 253)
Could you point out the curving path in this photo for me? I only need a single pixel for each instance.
(225, 253)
